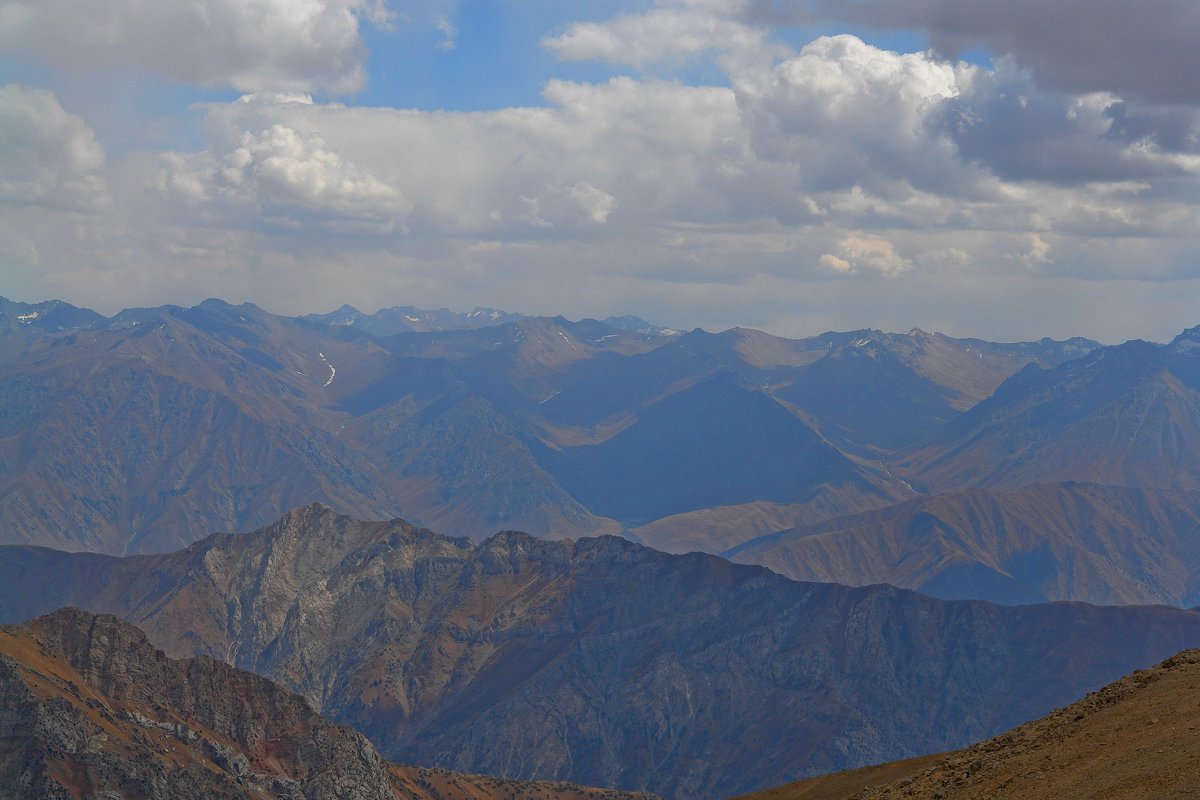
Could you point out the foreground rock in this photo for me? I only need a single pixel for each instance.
(88, 708)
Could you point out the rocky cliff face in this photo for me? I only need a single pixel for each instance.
(601, 661)
(88, 708)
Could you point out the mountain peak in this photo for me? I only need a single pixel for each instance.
(1187, 342)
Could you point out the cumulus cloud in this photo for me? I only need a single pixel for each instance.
(659, 150)
(280, 174)
(849, 114)
(250, 45)
(1145, 50)
(48, 157)
(855, 254)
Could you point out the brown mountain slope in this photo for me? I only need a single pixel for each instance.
(1098, 544)
(1123, 416)
(88, 708)
(1135, 739)
(166, 424)
(144, 432)
(600, 661)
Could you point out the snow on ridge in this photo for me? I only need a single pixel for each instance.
(332, 371)
(568, 341)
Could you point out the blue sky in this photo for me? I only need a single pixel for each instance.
(1007, 171)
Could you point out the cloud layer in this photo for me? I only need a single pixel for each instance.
(838, 185)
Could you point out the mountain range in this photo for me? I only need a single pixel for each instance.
(146, 431)
(600, 661)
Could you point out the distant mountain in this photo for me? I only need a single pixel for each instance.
(401, 319)
(717, 443)
(90, 709)
(147, 430)
(1098, 544)
(600, 661)
(1133, 739)
(51, 315)
(1127, 415)
(170, 423)
(628, 322)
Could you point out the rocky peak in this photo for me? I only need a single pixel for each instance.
(1187, 342)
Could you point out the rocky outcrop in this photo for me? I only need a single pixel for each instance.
(88, 708)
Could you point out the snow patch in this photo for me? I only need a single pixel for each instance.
(332, 371)
(27, 318)
(568, 341)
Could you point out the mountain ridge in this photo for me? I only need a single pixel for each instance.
(600, 661)
(1038, 543)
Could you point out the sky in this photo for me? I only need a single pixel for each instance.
(1003, 170)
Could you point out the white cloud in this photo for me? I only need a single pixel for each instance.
(658, 150)
(849, 114)
(279, 174)
(855, 254)
(1038, 253)
(250, 45)
(48, 157)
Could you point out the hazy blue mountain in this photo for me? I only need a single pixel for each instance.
(1127, 415)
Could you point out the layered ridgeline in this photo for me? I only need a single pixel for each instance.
(1072, 541)
(1072, 483)
(1125, 416)
(145, 431)
(88, 708)
(599, 661)
(1135, 739)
